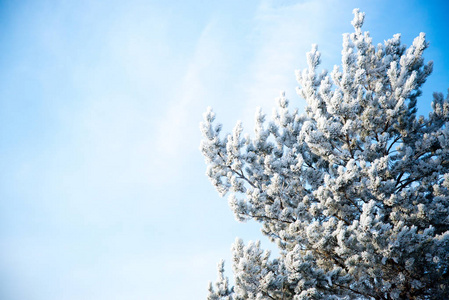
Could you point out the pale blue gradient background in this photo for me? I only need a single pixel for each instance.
(102, 189)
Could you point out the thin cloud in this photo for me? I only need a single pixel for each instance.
(177, 132)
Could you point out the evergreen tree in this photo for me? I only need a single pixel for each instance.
(354, 192)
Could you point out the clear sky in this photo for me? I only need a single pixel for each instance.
(102, 188)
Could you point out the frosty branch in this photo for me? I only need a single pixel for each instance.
(355, 191)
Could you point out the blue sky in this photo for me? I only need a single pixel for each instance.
(102, 186)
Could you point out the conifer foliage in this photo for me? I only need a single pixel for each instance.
(354, 192)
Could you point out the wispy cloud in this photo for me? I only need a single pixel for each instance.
(177, 128)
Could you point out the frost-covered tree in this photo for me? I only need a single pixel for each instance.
(354, 192)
